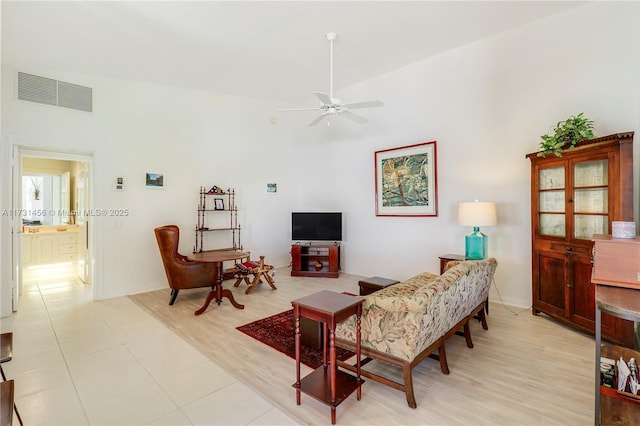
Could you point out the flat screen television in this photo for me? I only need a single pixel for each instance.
(316, 226)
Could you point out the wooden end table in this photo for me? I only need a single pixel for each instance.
(369, 285)
(446, 258)
(327, 384)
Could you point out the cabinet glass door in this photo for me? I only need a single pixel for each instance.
(590, 198)
(551, 201)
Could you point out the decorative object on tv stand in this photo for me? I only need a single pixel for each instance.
(476, 214)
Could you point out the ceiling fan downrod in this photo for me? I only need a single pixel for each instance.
(331, 37)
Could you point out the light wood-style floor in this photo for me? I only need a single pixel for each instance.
(525, 370)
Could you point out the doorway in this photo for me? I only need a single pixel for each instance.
(54, 190)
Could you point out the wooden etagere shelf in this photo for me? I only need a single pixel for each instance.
(217, 203)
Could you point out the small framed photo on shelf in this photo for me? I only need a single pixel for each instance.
(218, 203)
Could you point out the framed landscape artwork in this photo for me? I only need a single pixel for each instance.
(406, 181)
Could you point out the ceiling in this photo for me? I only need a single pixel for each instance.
(274, 50)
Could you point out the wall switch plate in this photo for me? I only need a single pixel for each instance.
(119, 184)
(638, 277)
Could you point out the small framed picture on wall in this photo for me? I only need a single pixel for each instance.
(154, 180)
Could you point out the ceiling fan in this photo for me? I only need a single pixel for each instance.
(330, 105)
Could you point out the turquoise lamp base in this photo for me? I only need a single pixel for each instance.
(475, 245)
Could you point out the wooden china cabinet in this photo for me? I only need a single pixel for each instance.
(574, 197)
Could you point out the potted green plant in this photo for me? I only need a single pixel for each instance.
(566, 134)
(36, 189)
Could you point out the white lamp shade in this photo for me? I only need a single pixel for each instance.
(477, 214)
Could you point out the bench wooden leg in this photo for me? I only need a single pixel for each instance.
(408, 384)
(467, 335)
(442, 355)
(483, 319)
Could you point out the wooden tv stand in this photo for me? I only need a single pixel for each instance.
(304, 258)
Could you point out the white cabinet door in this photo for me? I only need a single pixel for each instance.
(46, 249)
(49, 248)
(37, 249)
(27, 249)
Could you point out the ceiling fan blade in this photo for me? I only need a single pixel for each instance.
(318, 119)
(367, 104)
(299, 109)
(324, 98)
(354, 117)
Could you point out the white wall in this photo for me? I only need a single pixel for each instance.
(485, 104)
(194, 138)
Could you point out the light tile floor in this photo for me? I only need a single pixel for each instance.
(78, 361)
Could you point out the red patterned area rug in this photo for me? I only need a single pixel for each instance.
(278, 331)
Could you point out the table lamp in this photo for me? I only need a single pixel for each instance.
(476, 214)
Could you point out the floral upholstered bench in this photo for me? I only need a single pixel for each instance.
(407, 322)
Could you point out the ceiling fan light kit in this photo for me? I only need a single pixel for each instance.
(333, 106)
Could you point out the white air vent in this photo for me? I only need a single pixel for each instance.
(74, 96)
(53, 92)
(37, 89)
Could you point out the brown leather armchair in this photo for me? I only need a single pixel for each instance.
(182, 273)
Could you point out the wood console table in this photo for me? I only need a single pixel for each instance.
(218, 257)
(327, 384)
